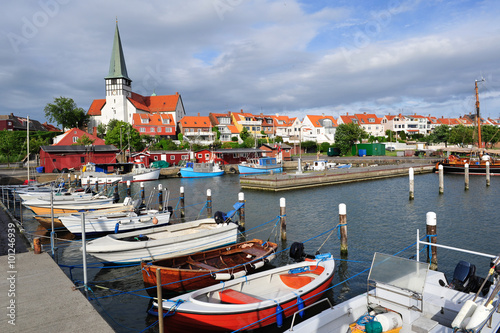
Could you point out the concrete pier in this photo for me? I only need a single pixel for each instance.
(43, 299)
(291, 181)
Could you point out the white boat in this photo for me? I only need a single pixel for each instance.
(252, 301)
(168, 241)
(260, 165)
(44, 207)
(57, 196)
(109, 173)
(406, 296)
(115, 222)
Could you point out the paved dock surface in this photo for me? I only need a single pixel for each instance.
(43, 297)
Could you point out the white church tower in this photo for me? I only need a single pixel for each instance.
(118, 85)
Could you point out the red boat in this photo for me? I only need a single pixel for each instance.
(259, 300)
(203, 269)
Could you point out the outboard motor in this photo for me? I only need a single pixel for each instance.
(220, 217)
(297, 252)
(465, 279)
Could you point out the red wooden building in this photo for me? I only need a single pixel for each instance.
(173, 157)
(59, 158)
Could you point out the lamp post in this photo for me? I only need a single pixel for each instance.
(129, 148)
(121, 153)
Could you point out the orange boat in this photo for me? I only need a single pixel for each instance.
(202, 269)
(477, 164)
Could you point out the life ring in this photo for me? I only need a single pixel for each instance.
(232, 170)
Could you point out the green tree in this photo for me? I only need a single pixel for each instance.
(226, 145)
(347, 134)
(9, 144)
(101, 131)
(460, 135)
(244, 134)
(490, 134)
(309, 146)
(324, 147)
(440, 134)
(113, 136)
(217, 132)
(65, 113)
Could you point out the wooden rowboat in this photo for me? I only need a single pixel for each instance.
(203, 269)
(259, 300)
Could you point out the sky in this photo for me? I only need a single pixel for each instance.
(273, 57)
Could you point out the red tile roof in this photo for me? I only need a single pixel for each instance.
(315, 120)
(96, 107)
(195, 121)
(145, 103)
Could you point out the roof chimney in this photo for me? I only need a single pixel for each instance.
(241, 110)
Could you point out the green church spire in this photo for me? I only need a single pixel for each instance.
(117, 67)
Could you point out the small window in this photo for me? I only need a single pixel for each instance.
(152, 129)
(156, 158)
(82, 159)
(143, 129)
(75, 139)
(159, 129)
(172, 157)
(207, 156)
(200, 155)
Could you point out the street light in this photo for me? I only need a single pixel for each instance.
(121, 143)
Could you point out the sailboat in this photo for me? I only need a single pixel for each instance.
(479, 157)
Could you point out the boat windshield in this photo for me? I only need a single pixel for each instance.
(398, 272)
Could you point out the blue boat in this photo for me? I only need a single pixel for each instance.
(201, 170)
(260, 165)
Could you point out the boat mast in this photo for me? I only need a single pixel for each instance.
(28, 144)
(478, 119)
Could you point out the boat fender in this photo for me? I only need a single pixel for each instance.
(389, 320)
(155, 220)
(221, 276)
(465, 312)
(300, 306)
(257, 265)
(279, 315)
(117, 227)
(269, 258)
(480, 315)
(238, 274)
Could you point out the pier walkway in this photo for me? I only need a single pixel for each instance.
(293, 180)
(38, 297)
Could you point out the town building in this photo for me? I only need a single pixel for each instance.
(197, 129)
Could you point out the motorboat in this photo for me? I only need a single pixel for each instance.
(201, 170)
(260, 165)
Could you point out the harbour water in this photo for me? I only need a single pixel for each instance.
(380, 218)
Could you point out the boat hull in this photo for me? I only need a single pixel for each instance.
(474, 169)
(163, 242)
(90, 178)
(189, 173)
(195, 314)
(207, 267)
(106, 224)
(245, 169)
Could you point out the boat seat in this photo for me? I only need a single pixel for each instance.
(232, 296)
(201, 265)
(295, 281)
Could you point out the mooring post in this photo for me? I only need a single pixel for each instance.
(283, 218)
(487, 173)
(97, 186)
(84, 254)
(129, 191)
(441, 179)
(431, 238)
(241, 212)
(343, 228)
(209, 203)
(160, 197)
(37, 246)
(466, 176)
(159, 293)
(142, 194)
(181, 199)
(412, 184)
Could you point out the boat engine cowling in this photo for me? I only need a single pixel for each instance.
(220, 217)
(297, 252)
(465, 279)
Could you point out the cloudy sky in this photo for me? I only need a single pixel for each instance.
(291, 57)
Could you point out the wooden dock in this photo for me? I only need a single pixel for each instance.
(38, 297)
(292, 180)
